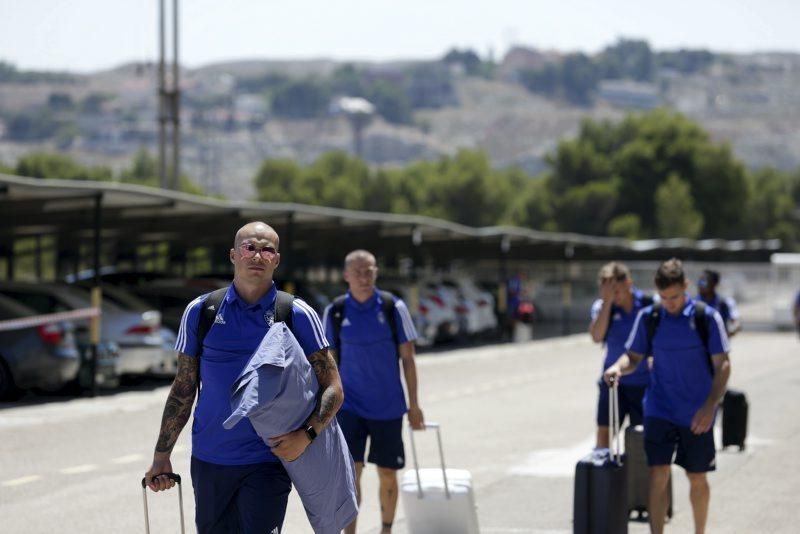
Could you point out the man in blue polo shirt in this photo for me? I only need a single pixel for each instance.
(368, 351)
(687, 382)
(613, 315)
(726, 306)
(239, 483)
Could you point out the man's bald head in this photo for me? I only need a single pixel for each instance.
(256, 230)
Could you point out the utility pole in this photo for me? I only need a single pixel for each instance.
(168, 103)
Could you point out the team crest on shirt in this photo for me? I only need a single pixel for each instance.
(269, 317)
(381, 317)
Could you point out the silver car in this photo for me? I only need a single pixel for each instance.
(43, 356)
(138, 335)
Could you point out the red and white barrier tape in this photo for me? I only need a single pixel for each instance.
(36, 320)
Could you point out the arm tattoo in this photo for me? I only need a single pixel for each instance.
(330, 395)
(179, 403)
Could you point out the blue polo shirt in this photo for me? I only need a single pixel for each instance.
(619, 328)
(368, 358)
(236, 333)
(728, 311)
(681, 377)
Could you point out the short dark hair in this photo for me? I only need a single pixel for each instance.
(712, 277)
(670, 273)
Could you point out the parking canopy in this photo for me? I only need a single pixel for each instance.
(123, 217)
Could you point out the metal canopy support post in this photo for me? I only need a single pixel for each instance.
(96, 294)
(566, 289)
(168, 102)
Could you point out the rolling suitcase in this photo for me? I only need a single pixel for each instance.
(639, 473)
(438, 501)
(600, 504)
(177, 478)
(734, 419)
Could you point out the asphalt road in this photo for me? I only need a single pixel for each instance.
(518, 416)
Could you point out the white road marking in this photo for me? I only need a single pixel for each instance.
(20, 481)
(554, 463)
(128, 459)
(78, 469)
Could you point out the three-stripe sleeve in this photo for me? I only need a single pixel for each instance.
(186, 341)
(405, 320)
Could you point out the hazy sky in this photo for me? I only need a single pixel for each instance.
(93, 34)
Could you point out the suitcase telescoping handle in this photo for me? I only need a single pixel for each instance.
(613, 422)
(420, 493)
(177, 478)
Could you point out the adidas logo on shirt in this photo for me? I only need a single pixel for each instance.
(274, 531)
(219, 320)
(212, 307)
(346, 322)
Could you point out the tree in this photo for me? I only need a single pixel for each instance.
(278, 180)
(627, 59)
(587, 208)
(627, 225)
(301, 99)
(771, 206)
(579, 78)
(675, 211)
(48, 165)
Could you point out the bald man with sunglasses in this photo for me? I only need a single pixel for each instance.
(239, 482)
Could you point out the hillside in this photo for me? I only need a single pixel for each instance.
(229, 122)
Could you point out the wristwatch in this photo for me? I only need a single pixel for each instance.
(311, 433)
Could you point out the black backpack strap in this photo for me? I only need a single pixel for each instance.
(283, 308)
(208, 313)
(701, 327)
(701, 322)
(337, 316)
(652, 321)
(387, 306)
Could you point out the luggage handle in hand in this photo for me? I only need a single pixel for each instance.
(420, 493)
(173, 476)
(614, 423)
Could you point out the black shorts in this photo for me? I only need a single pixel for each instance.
(695, 453)
(239, 498)
(630, 404)
(385, 439)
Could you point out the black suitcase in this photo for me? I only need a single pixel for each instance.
(600, 504)
(734, 419)
(639, 474)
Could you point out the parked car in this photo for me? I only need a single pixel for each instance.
(136, 334)
(47, 357)
(474, 306)
(44, 356)
(434, 319)
(125, 299)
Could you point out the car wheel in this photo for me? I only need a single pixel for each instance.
(8, 390)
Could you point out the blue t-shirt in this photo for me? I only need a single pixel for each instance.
(368, 362)
(680, 381)
(236, 333)
(619, 328)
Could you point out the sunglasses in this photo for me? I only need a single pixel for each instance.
(248, 250)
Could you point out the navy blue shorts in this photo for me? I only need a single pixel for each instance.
(630, 404)
(244, 499)
(385, 439)
(695, 453)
